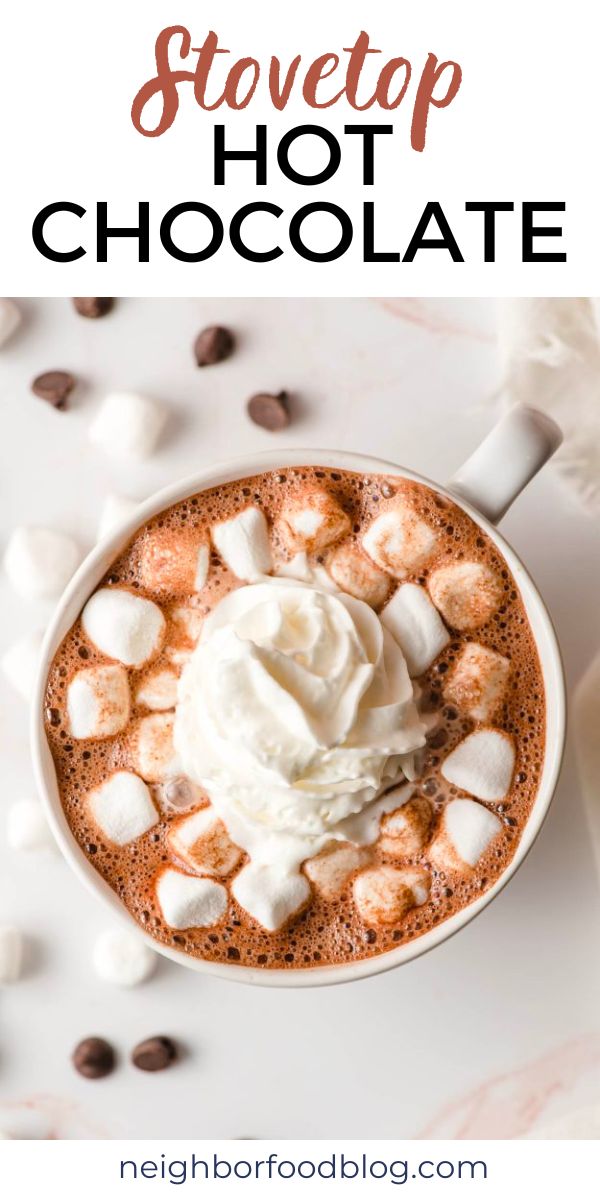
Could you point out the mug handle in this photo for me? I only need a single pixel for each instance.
(511, 454)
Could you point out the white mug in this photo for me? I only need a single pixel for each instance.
(484, 487)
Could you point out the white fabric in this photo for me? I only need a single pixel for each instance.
(550, 352)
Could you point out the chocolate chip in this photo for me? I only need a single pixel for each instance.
(154, 1054)
(94, 1057)
(92, 306)
(269, 411)
(54, 387)
(213, 345)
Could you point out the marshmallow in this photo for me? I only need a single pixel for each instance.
(354, 573)
(478, 681)
(27, 827)
(128, 425)
(11, 954)
(466, 593)
(187, 902)
(482, 764)
(177, 656)
(122, 808)
(121, 957)
(406, 830)
(98, 702)
(189, 620)
(300, 568)
(465, 832)
(270, 896)
(172, 563)
(313, 521)
(416, 625)
(20, 663)
(124, 626)
(40, 562)
(203, 843)
(152, 749)
(331, 870)
(10, 319)
(159, 690)
(243, 543)
(384, 895)
(398, 541)
(116, 510)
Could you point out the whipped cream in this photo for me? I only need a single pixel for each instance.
(296, 714)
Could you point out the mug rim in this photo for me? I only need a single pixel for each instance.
(87, 577)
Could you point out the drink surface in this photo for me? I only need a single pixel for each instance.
(428, 859)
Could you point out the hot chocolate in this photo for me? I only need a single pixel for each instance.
(301, 720)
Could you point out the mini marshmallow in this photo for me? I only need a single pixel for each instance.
(124, 626)
(482, 764)
(313, 521)
(270, 896)
(21, 661)
(384, 895)
(10, 319)
(243, 543)
(399, 542)
(152, 750)
(354, 573)
(27, 827)
(478, 681)
(467, 594)
(203, 843)
(98, 702)
(406, 830)
(122, 808)
(187, 902)
(40, 562)
(178, 656)
(121, 957)
(417, 627)
(301, 569)
(11, 954)
(116, 510)
(158, 691)
(465, 832)
(189, 620)
(331, 870)
(128, 425)
(172, 563)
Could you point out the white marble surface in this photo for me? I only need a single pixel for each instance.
(493, 1033)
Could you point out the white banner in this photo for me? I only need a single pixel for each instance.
(490, 1169)
(454, 143)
